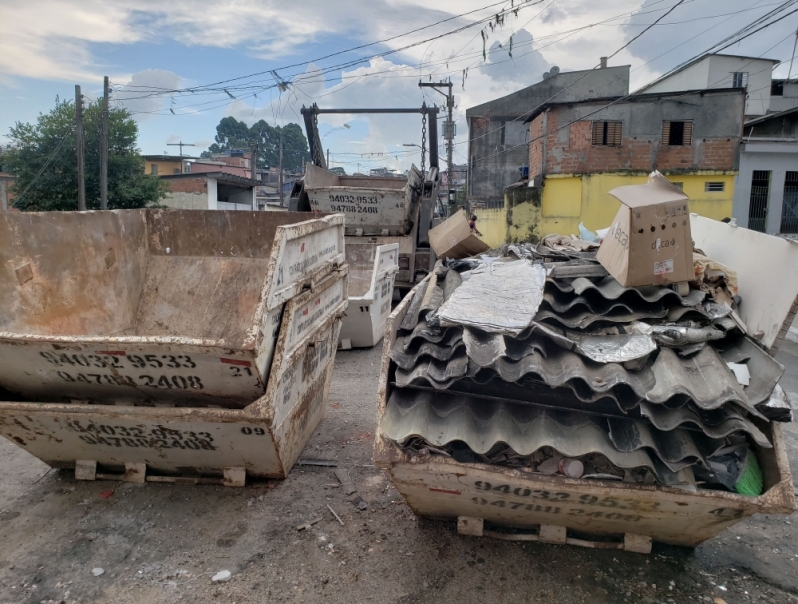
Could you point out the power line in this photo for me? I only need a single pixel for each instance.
(626, 97)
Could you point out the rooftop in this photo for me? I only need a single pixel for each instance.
(222, 177)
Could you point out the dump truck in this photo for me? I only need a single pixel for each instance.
(168, 345)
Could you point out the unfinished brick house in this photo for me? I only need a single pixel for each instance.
(579, 151)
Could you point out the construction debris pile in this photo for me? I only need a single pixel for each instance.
(541, 361)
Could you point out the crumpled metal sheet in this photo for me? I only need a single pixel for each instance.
(441, 418)
(675, 448)
(617, 348)
(500, 297)
(677, 335)
(563, 303)
(716, 423)
(609, 289)
(702, 378)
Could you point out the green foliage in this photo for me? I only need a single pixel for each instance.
(56, 188)
(232, 134)
(338, 170)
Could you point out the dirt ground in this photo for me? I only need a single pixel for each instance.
(163, 543)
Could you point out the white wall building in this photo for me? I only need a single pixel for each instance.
(766, 188)
(783, 95)
(210, 191)
(723, 71)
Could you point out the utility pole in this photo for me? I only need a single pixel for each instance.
(181, 144)
(104, 150)
(282, 196)
(795, 44)
(3, 195)
(79, 145)
(448, 127)
(253, 160)
(328, 158)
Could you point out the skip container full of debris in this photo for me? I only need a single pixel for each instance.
(532, 391)
(164, 344)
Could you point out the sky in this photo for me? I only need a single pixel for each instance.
(181, 66)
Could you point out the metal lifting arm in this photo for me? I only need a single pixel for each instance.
(314, 140)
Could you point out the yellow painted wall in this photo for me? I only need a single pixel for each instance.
(492, 223)
(164, 167)
(568, 200)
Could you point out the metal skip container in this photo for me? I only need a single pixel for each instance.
(136, 341)
(438, 486)
(372, 270)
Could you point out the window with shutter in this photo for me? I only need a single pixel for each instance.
(677, 134)
(598, 133)
(607, 134)
(687, 134)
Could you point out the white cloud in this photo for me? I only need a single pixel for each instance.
(137, 94)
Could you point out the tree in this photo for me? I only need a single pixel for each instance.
(232, 134)
(338, 170)
(52, 138)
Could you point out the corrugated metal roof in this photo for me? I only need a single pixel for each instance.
(441, 418)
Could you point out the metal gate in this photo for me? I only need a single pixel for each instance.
(758, 210)
(789, 211)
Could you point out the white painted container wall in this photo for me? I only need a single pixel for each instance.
(141, 306)
(372, 270)
(264, 439)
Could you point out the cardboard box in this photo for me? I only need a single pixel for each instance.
(453, 238)
(649, 242)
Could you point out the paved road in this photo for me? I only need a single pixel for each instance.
(162, 543)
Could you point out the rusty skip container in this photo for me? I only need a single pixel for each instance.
(372, 205)
(200, 444)
(439, 487)
(372, 270)
(177, 307)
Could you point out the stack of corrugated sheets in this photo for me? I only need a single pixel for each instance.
(500, 361)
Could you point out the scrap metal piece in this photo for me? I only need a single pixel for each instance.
(500, 297)
(441, 418)
(677, 335)
(615, 349)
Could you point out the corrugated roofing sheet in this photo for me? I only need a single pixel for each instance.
(702, 378)
(441, 418)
